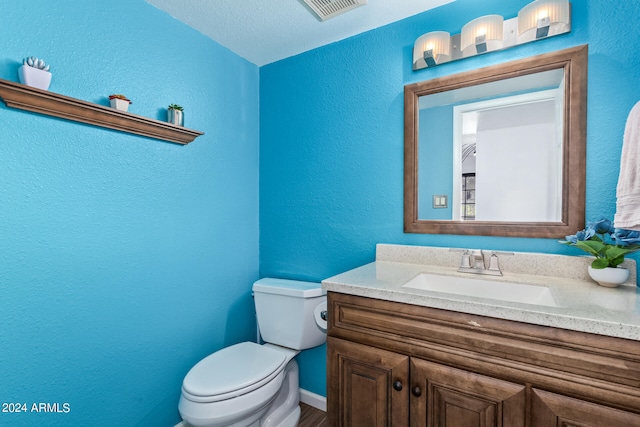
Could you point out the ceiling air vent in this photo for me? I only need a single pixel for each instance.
(326, 9)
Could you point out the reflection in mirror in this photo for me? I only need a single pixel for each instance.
(506, 150)
(498, 151)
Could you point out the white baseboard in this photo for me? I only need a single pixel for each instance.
(312, 399)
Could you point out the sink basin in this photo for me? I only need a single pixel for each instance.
(476, 287)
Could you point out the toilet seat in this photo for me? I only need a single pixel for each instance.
(233, 371)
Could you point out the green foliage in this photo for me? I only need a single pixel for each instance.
(608, 244)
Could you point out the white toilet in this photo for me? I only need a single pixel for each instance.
(249, 384)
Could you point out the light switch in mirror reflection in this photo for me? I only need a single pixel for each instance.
(504, 162)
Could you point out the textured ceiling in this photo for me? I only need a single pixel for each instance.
(265, 31)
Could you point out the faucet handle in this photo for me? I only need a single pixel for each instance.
(465, 261)
(493, 262)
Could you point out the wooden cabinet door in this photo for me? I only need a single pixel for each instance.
(367, 386)
(442, 396)
(554, 410)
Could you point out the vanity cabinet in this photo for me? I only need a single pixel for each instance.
(394, 364)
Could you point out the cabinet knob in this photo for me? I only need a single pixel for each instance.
(397, 385)
(416, 391)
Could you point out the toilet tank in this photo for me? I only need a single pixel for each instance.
(284, 309)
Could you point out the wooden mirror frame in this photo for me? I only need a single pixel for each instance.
(574, 63)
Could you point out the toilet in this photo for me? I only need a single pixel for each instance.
(249, 384)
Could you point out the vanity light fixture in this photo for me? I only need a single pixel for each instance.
(433, 48)
(479, 32)
(542, 15)
(537, 20)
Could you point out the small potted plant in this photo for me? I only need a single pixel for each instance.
(608, 245)
(34, 72)
(119, 102)
(175, 114)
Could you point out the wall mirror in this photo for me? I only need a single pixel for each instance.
(498, 151)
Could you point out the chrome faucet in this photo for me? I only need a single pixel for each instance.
(473, 262)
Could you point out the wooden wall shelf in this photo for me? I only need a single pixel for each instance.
(24, 97)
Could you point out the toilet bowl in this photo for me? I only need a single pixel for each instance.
(249, 384)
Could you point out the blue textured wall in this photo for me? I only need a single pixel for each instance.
(123, 260)
(331, 139)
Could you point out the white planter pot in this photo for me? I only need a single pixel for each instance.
(609, 277)
(175, 117)
(34, 77)
(119, 104)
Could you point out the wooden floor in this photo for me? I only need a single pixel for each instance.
(312, 417)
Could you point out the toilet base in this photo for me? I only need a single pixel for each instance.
(292, 419)
(285, 409)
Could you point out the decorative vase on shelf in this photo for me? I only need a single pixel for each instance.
(610, 277)
(34, 72)
(119, 102)
(175, 115)
(34, 77)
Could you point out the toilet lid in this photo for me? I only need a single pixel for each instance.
(232, 368)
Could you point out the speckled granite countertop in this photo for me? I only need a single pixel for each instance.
(583, 304)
